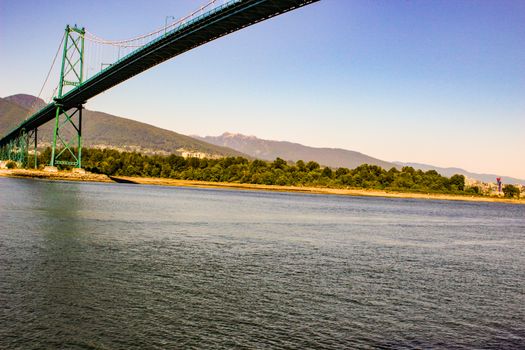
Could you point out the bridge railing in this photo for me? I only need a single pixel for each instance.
(163, 32)
(184, 23)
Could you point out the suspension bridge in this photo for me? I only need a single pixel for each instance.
(133, 56)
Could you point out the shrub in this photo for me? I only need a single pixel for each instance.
(511, 191)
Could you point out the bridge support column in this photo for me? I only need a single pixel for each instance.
(67, 138)
(33, 136)
(36, 148)
(16, 149)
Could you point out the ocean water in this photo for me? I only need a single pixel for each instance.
(118, 266)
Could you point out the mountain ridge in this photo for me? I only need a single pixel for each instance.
(104, 130)
(270, 149)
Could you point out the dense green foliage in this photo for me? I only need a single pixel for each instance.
(278, 172)
(511, 191)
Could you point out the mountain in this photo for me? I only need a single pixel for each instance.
(269, 150)
(28, 102)
(333, 157)
(11, 114)
(451, 171)
(108, 131)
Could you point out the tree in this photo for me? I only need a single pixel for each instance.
(430, 172)
(278, 163)
(341, 171)
(311, 165)
(300, 165)
(327, 172)
(408, 169)
(258, 165)
(474, 189)
(458, 181)
(511, 191)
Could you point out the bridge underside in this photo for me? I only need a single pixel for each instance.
(221, 21)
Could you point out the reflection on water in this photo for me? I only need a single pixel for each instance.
(123, 266)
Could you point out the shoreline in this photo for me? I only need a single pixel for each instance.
(60, 175)
(90, 177)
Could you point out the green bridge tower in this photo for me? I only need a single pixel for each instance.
(67, 136)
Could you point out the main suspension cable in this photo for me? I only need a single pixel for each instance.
(129, 42)
(47, 76)
(52, 65)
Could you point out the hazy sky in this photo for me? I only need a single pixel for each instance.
(439, 82)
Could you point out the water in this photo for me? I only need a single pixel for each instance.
(114, 266)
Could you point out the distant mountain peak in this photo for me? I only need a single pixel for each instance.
(238, 135)
(270, 149)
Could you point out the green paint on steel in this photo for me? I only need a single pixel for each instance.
(35, 134)
(222, 20)
(71, 74)
(16, 150)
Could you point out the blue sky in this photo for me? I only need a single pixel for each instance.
(439, 82)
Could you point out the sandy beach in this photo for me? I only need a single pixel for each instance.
(90, 177)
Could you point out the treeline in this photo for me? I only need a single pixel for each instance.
(278, 172)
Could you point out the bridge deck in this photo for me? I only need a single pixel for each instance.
(220, 21)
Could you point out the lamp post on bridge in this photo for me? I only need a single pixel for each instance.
(166, 23)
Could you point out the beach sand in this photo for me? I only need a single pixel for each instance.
(89, 177)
